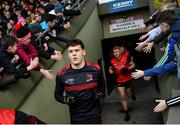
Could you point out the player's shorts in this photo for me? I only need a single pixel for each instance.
(125, 84)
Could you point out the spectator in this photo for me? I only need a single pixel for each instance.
(26, 51)
(169, 23)
(147, 44)
(65, 12)
(9, 63)
(51, 22)
(20, 18)
(151, 23)
(44, 49)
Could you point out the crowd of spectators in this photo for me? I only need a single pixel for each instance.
(32, 24)
(163, 26)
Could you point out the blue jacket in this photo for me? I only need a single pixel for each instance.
(169, 51)
(175, 30)
(160, 69)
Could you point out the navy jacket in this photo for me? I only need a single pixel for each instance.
(5, 61)
(9, 67)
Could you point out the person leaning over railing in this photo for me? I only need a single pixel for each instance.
(151, 23)
(26, 51)
(8, 63)
(149, 39)
(51, 22)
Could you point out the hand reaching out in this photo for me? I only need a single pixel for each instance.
(147, 78)
(143, 37)
(137, 74)
(57, 56)
(47, 73)
(148, 48)
(140, 46)
(33, 63)
(161, 106)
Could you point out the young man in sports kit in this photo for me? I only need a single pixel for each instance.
(121, 66)
(83, 83)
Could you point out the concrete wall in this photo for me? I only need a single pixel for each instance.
(41, 102)
(168, 84)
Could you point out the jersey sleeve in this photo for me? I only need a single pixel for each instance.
(101, 81)
(59, 89)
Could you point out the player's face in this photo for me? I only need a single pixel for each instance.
(76, 54)
(116, 53)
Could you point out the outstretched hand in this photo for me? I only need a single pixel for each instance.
(148, 48)
(33, 63)
(140, 46)
(142, 37)
(147, 78)
(47, 73)
(161, 106)
(137, 74)
(57, 56)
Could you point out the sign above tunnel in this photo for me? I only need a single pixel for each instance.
(122, 5)
(105, 1)
(125, 24)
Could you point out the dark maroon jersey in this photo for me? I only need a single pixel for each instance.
(82, 84)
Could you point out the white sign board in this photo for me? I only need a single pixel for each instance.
(105, 1)
(130, 23)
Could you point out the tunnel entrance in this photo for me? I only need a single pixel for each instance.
(146, 91)
(142, 60)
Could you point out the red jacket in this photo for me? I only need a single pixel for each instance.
(121, 77)
(7, 116)
(26, 53)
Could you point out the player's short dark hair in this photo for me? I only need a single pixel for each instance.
(75, 42)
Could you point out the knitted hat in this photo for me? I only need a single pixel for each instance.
(21, 31)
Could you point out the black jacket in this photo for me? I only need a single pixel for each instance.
(9, 67)
(38, 44)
